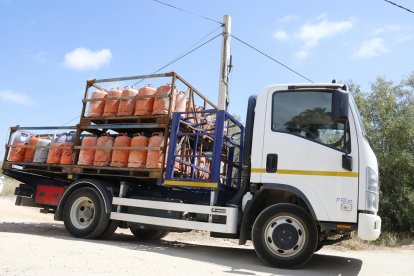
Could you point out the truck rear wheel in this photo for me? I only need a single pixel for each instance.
(148, 233)
(112, 226)
(284, 236)
(84, 214)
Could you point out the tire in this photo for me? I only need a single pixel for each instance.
(112, 226)
(284, 236)
(318, 247)
(84, 214)
(148, 234)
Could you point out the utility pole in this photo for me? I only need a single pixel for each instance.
(223, 100)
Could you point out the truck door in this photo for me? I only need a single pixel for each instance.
(303, 148)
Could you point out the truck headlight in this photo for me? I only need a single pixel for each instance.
(372, 193)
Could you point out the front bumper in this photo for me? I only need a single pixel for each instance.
(369, 226)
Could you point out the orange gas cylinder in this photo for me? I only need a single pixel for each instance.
(67, 154)
(103, 156)
(127, 106)
(181, 103)
(209, 122)
(17, 151)
(120, 156)
(112, 106)
(177, 165)
(55, 154)
(154, 157)
(66, 158)
(191, 115)
(162, 99)
(144, 106)
(138, 157)
(200, 117)
(188, 160)
(30, 152)
(86, 156)
(96, 108)
(205, 164)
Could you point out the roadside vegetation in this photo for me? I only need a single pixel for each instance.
(388, 114)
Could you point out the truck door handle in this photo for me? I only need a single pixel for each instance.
(271, 163)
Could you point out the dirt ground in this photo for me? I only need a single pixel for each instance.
(32, 243)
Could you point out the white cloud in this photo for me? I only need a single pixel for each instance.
(288, 18)
(15, 97)
(310, 34)
(371, 48)
(281, 36)
(86, 59)
(403, 38)
(301, 54)
(395, 32)
(387, 29)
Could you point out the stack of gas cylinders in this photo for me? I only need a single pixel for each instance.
(146, 101)
(31, 148)
(138, 151)
(131, 102)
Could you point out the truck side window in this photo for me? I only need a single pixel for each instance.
(307, 114)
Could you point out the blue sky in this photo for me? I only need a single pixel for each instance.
(50, 48)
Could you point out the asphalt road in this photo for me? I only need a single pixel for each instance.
(33, 244)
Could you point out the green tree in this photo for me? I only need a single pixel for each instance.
(388, 114)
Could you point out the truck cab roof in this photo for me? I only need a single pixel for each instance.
(306, 86)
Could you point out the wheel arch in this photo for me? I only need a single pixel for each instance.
(100, 186)
(261, 200)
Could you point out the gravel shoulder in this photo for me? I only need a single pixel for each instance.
(33, 243)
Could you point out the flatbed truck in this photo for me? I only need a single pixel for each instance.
(300, 174)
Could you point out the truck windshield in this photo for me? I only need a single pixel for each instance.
(307, 114)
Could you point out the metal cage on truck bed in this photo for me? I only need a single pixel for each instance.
(205, 150)
(204, 143)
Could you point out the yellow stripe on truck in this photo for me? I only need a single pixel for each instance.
(212, 185)
(303, 172)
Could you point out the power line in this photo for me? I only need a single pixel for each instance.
(273, 59)
(401, 7)
(189, 12)
(181, 56)
(71, 120)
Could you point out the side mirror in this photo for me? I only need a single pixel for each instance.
(340, 106)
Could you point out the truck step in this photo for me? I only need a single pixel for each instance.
(228, 225)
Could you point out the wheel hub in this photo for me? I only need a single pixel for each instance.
(285, 236)
(88, 213)
(82, 212)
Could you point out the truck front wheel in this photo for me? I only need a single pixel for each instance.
(84, 214)
(284, 236)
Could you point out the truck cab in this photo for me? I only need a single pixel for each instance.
(310, 161)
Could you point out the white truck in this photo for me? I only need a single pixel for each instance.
(299, 175)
